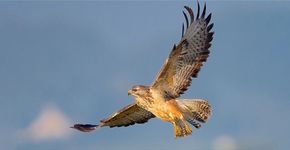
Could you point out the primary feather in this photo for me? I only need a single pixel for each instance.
(186, 59)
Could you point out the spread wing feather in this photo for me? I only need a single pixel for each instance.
(186, 59)
(127, 116)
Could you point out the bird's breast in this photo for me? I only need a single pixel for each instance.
(165, 110)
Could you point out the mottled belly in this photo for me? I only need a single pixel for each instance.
(165, 110)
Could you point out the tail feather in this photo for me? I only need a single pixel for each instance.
(193, 122)
(195, 110)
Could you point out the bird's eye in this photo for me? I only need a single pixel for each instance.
(134, 90)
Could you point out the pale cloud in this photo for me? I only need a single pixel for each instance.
(51, 123)
(224, 142)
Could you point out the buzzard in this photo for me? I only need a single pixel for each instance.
(160, 99)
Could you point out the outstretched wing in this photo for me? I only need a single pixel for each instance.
(186, 59)
(128, 115)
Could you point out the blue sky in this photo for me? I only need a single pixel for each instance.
(75, 61)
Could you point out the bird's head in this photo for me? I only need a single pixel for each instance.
(138, 90)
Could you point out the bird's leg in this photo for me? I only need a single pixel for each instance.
(177, 130)
(187, 127)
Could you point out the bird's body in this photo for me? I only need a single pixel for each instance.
(157, 105)
(170, 110)
(161, 98)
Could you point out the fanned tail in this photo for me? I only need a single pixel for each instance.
(195, 111)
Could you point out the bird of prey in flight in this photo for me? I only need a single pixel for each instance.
(160, 99)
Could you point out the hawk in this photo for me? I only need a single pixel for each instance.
(160, 99)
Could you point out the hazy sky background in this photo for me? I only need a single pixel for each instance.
(68, 62)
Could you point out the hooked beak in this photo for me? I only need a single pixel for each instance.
(130, 92)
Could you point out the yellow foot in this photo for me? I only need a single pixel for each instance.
(181, 129)
(177, 130)
(187, 129)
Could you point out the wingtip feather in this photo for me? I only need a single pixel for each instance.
(198, 10)
(210, 27)
(207, 20)
(191, 14)
(186, 19)
(85, 127)
(204, 11)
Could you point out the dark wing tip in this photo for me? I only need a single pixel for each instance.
(209, 38)
(198, 10)
(85, 127)
(186, 19)
(204, 11)
(210, 34)
(207, 20)
(189, 10)
(182, 32)
(210, 27)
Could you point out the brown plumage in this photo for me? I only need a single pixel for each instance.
(160, 99)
